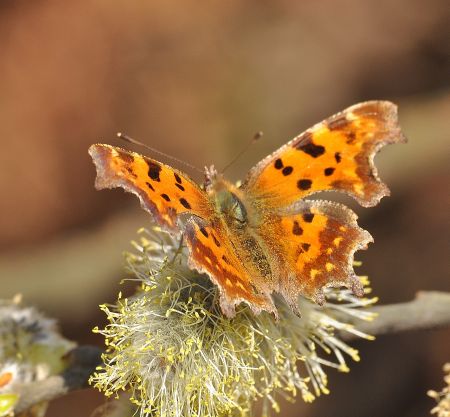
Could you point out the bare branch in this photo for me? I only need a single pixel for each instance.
(428, 310)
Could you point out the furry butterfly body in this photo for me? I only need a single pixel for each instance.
(264, 236)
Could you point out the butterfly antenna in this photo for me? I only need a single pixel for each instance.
(129, 139)
(255, 138)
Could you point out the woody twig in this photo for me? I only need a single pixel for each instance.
(429, 310)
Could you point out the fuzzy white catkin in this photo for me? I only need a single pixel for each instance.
(31, 349)
(172, 350)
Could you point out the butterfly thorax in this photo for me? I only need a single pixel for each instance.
(237, 217)
(227, 201)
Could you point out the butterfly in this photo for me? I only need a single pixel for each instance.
(264, 236)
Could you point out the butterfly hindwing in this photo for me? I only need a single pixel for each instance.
(315, 242)
(162, 190)
(336, 154)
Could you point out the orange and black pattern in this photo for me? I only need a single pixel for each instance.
(336, 154)
(212, 253)
(315, 246)
(277, 241)
(162, 190)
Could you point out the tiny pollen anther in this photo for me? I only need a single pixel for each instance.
(329, 266)
(337, 241)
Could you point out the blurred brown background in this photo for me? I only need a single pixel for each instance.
(196, 80)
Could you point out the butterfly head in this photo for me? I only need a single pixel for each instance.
(226, 198)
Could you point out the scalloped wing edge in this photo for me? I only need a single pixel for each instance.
(349, 217)
(227, 305)
(390, 110)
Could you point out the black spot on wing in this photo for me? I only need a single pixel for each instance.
(150, 186)
(165, 197)
(306, 246)
(312, 149)
(154, 170)
(304, 184)
(305, 144)
(185, 203)
(328, 171)
(296, 229)
(338, 157)
(204, 232)
(278, 164)
(177, 178)
(179, 186)
(287, 171)
(308, 217)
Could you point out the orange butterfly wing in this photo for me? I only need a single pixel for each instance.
(336, 154)
(163, 191)
(167, 193)
(314, 245)
(311, 243)
(212, 253)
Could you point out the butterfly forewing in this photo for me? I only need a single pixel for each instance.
(336, 154)
(162, 190)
